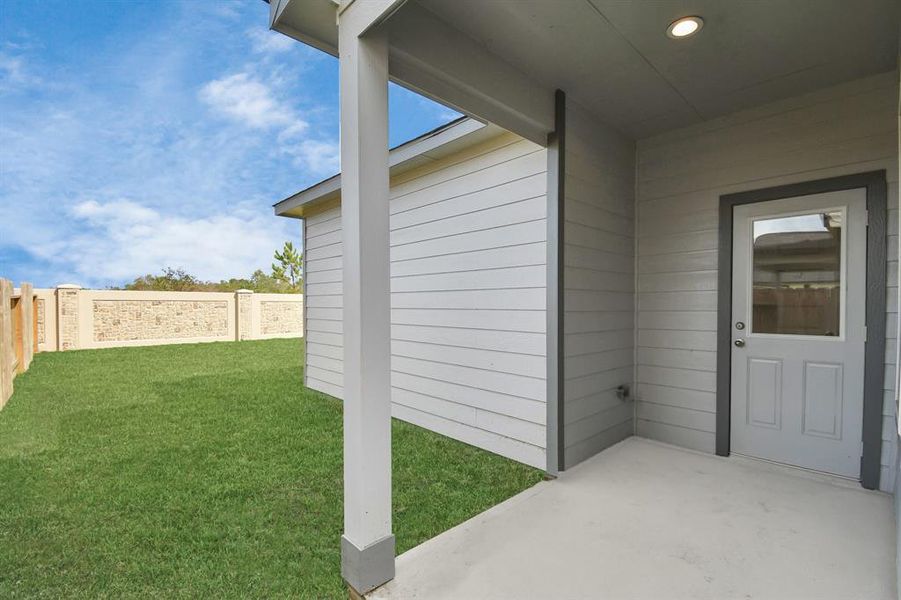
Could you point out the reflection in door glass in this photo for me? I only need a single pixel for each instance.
(797, 274)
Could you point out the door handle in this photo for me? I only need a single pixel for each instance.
(740, 343)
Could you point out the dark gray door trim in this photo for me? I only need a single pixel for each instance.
(874, 359)
(556, 170)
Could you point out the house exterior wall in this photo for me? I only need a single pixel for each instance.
(599, 285)
(468, 297)
(323, 324)
(896, 380)
(846, 129)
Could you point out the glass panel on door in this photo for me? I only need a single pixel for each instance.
(797, 273)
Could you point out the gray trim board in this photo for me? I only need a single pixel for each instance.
(365, 569)
(556, 177)
(874, 359)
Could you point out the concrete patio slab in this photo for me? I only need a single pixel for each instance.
(647, 520)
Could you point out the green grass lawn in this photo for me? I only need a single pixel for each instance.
(202, 470)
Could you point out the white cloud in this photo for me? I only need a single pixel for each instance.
(14, 75)
(124, 211)
(255, 103)
(319, 157)
(122, 239)
(249, 101)
(291, 132)
(264, 41)
(11, 67)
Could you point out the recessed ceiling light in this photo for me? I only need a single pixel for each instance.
(684, 27)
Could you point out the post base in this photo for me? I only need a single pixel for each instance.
(367, 568)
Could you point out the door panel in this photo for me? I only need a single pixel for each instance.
(798, 326)
(823, 400)
(765, 392)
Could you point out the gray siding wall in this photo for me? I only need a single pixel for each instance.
(599, 285)
(846, 129)
(322, 302)
(468, 298)
(897, 458)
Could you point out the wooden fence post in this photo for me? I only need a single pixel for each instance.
(26, 308)
(17, 332)
(6, 342)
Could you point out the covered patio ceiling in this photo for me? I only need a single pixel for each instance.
(502, 60)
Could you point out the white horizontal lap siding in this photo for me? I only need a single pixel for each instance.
(468, 298)
(323, 303)
(599, 285)
(681, 175)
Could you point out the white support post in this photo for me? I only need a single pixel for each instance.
(367, 547)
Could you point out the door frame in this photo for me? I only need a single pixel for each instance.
(874, 355)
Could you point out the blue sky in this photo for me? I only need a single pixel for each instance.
(141, 135)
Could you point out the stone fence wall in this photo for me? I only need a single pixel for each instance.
(70, 318)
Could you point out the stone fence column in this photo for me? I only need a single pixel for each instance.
(244, 314)
(67, 316)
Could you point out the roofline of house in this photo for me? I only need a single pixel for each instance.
(398, 156)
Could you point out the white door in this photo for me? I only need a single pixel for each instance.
(798, 330)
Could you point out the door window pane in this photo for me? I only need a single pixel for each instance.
(797, 274)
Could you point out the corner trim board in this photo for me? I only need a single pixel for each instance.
(303, 300)
(556, 177)
(874, 363)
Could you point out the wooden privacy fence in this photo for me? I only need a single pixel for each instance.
(18, 333)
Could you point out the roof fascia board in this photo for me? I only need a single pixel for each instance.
(433, 140)
(396, 157)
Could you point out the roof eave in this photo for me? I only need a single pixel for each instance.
(318, 27)
(293, 206)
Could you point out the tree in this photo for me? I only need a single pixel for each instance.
(288, 267)
(259, 282)
(172, 280)
(286, 278)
